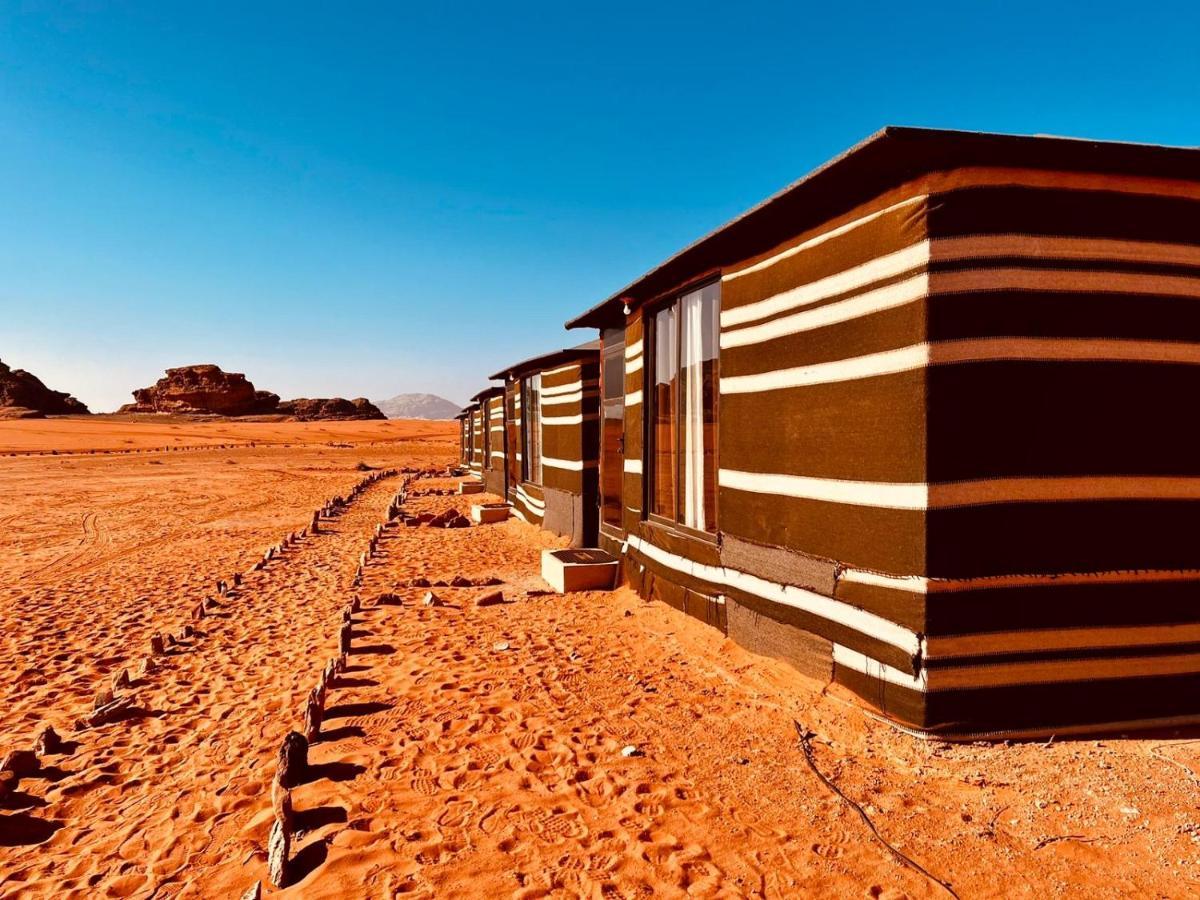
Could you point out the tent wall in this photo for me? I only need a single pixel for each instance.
(495, 467)
(954, 476)
(1063, 501)
(564, 502)
(476, 463)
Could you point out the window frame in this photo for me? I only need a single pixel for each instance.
(649, 343)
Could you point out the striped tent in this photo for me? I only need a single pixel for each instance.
(936, 453)
(493, 440)
(464, 437)
(551, 418)
(475, 435)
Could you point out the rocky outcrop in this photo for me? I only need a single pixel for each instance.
(202, 389)
(22, 394)
(207, 390)
(305, 409)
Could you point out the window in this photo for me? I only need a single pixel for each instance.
(612, 424)
(683, 374)
(531, 423)
(487, 433)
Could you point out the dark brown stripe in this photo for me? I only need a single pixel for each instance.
(1062, 606)
(1099, 214)
(1062, 704)
(887, 540)
(872, 429)
(1038, 418)
(1094, 536)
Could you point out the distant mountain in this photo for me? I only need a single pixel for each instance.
(418, 406)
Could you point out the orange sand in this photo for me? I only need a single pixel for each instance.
(448, 767)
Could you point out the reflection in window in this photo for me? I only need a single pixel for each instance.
(683, 409)
(531, 422)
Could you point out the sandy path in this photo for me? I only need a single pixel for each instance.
(172, 795)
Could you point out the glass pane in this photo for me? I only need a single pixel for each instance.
(612, 424)
(532, 417)
(699, 330)
(663, 413)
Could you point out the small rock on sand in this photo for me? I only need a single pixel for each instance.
(48, 742)
(500, 646)
(630, 750)
(431, 599)
(20, 762)
(279, 848)
(492, 598)
(254, 892)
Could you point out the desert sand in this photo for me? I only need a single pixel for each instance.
(590, 745)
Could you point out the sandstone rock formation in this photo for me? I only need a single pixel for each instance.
(24, 395)
(305, 409)
(202, 389)
(207, 390)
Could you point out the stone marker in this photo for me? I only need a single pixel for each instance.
(156, 645)
(104, 696)
(279, 848)
(459, 581)
(48, 742)
(237, 578)
(254, 892)
(344, 639)
(431, 599)
(292, 764)
(281, 805)
(120, 680)
(312, 717)
(21, 763)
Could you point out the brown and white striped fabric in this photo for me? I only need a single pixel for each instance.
(957, 405)
(495, 447)
(464, 437)
(475, 417)
(565, 500)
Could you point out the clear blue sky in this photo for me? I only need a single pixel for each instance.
(363, 199)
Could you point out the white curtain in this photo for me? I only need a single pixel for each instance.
(692, 414)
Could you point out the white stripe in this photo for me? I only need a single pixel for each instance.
(830, 490)
(531, 502)
(569, 420)
(548, 372)
(921, 584)
(887, 362)
(565, 399)
(570, 465)
(887, 297)
(633, 466)
(562, 389)
(915, 356)
(821, 238)
(497, 454)
(788, 595)
(633, 349)
(633, 398)
(852, 659)
(635, 365)
(887, 266)
(976, 492)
